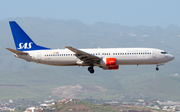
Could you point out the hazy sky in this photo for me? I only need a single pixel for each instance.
(125, 12)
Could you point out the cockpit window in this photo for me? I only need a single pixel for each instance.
(164, 53)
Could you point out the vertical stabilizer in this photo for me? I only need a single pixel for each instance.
(22, 41)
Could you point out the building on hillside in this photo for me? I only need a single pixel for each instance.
(31, 109)
(140, 100)
(112, 102)
(69, 100)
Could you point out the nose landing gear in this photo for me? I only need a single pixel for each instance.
(157, 68)
(159, 64)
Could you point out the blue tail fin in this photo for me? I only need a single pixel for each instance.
(22, 41)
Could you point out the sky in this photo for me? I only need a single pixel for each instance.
(125, 12)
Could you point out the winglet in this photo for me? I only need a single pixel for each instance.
(16, 51)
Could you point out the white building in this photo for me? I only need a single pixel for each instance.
(31, 109)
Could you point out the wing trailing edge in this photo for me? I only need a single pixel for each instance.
(84, 56)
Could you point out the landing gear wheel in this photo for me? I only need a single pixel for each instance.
(91, 70)
(157, 68)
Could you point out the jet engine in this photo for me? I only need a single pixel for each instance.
(109, 64)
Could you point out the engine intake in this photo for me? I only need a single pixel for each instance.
(109, 64)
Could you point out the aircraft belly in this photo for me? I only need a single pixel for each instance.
(59, 61)
(156, 60)
(133, 61)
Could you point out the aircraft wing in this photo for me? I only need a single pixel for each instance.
(16, 51)
(84, 56)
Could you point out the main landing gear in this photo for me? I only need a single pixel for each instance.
(91, 69)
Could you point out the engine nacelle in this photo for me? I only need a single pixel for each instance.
(109, 64)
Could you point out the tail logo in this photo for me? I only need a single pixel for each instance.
(25, 45)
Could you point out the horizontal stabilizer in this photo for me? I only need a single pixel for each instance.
(16, 51)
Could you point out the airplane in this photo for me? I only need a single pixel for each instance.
(106, 58)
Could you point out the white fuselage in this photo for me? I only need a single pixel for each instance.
(106, 58)
(124, 56)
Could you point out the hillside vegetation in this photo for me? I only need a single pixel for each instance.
(89, 107)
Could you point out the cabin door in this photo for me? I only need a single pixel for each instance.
(39, 56)
(154, 54)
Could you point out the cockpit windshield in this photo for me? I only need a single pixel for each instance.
(164, 53)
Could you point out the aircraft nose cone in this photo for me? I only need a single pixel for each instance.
(171, 57)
